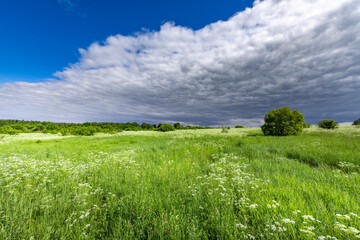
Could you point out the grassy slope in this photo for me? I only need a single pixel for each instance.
(185, 185)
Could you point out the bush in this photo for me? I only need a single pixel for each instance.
(65, 131)
(307, 125)
(8, 130)
(356, 122)
(85, 131)
(328, 124)
(177, 125)
(147, 126)
(225, 129)
(283, 122)
(166, 128)
(239, 126)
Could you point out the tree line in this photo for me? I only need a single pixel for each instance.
(8, 126)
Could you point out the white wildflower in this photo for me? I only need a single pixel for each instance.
(353, 230)
(307, 231)
(353, 214)
(240, 225)
(309, 217)
(286, 220)
(253, 206)
(250, 236)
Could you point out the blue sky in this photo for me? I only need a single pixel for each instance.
(211, 63)
(41, 37)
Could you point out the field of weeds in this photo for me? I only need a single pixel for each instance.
(191, 184)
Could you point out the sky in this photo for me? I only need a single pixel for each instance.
(206, 63)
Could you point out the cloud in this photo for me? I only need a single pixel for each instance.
(346, 123)
(297, 53)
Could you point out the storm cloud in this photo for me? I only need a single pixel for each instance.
(298, 53)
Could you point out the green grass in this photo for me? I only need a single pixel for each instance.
(190, 184)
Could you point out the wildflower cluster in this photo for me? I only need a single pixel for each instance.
(47, 183)
(349, 167)
(228, 181)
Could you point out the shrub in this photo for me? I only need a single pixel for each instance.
(307, 125)
(8, 130)
(225, 129)
(166, 128)
(86, 131)
(51, 128)
(356, 122)
(239, 126)
(146, 126)
(283, 122)
(64, 131)
(20, 128)
(177, 125)
(328, 124)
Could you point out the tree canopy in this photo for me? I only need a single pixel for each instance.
(283, 122)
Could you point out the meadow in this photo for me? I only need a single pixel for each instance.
(187, 184)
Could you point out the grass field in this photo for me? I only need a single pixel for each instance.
(188, 184)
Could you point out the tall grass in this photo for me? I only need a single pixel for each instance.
(200, 184)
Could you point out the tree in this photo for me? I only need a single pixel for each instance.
(135, 124)
(7, 129)
(283, 122)
(328, 124)
(356, 122)
(146, 126)
(166, 128)
(177, 125)
(239, 126)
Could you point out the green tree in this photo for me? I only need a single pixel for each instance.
(166, 128)
(356, 122)
(283, 122)
(328, 124)
(177, 125)
(147, 126)
(7, 129)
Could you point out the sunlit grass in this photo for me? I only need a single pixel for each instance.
(189, 184)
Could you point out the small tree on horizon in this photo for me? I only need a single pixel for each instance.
(356, 122)
(283, 122)
(328, 124)
(166, 128)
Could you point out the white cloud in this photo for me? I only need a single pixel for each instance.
(298, 53)
(346, 123)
